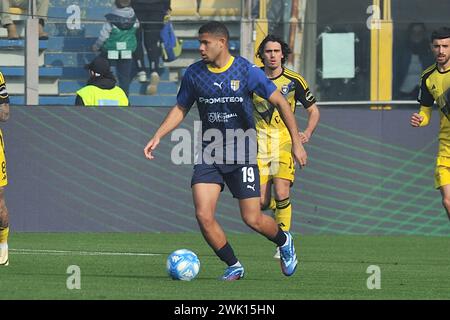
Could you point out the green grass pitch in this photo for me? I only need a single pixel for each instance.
(330, 267)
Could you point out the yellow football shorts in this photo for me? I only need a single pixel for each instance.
(4, 176)
(442, 172)
(279, 167)
(441, 176)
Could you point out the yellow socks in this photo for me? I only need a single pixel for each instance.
(272, 204)
(283, 214)
(4, 234)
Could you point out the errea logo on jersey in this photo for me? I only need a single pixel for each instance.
(3, 92)
(309, 96)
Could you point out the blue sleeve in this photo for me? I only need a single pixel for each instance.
(186, 95)
(259, 83)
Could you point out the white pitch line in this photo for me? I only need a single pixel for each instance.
(81, 253)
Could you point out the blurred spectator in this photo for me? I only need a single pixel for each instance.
(412, 56)
(101, 89)
(41, 12)
(151, 14)
(117, 40)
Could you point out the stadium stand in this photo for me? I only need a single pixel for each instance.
(184, 7)
(220, 8)
(17, 15)
(63, 56)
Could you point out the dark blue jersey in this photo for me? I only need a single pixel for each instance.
(224, 100)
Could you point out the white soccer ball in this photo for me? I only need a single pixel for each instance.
(183, 264)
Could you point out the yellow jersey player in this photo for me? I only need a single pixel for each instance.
(435, 86)
(4, 115)
(275, 161)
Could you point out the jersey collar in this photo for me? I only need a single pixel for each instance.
(442, 72)
(278, 76)
(223, 69)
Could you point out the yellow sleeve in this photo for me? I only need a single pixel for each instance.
(425, 112)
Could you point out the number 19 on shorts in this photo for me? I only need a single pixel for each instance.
(248, 174)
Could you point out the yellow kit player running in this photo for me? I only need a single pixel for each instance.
(4, 115)
(435, 86)
(275, 160)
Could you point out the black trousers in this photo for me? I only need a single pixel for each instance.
(151, 22)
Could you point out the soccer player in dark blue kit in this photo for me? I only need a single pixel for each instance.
(222, 86)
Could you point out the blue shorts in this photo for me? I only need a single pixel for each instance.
(241, 179)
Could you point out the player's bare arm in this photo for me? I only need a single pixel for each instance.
(4, 112)
(313, 120)
(172, 120)
(288, 118)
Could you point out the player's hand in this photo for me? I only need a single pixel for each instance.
(304, 136)
(150, 147)
(416, 120)
(300, 155)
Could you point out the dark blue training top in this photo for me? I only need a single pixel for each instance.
(224, 100)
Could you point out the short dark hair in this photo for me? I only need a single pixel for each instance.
(215, 28)
(274, 38)
(441, 33)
